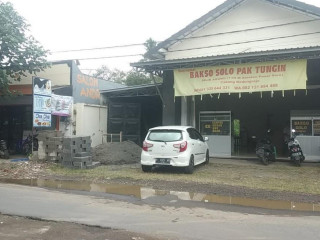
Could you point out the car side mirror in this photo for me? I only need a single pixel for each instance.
(206, 139)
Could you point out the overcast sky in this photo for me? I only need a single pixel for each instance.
(81, 24)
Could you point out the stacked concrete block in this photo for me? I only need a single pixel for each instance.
(72, 152)
(76, 152)
(41, 150)
(50, 145)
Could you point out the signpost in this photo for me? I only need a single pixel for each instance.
(41, 102)
(41, 89)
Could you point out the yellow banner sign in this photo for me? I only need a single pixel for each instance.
(253, 77)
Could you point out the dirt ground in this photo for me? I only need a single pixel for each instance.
(20, 228)
(119, 155)
(127, 155)
(36, 170)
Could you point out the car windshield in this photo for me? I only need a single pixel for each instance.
(165, 135)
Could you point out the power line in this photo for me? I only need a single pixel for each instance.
(119, 56)
(199, 48)
(192, 37)
(99, 48)
(244, 42)
(245, 30)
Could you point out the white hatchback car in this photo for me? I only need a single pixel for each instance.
(177, 146)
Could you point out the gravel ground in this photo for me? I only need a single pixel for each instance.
(117, 153)
(124, 157)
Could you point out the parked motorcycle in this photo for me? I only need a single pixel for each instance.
(28, 143)
(4, 151)
(265, 150)
(24, 146)
(295, 151)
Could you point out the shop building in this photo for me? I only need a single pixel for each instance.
(242, 68)
(132, 110)
(86, 117)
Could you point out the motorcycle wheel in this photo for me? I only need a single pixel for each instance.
(264, 160)
(297, 161)
(6, 154)
(26, 149)
(273, 158)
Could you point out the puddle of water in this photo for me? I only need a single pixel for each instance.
(145, 193)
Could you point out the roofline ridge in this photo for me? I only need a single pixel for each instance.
(223, 8)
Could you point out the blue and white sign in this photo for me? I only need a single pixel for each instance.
(41, 102)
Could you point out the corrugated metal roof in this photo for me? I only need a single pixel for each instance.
(133, 91)
(283, 54)
(104, 85)
(126, 88)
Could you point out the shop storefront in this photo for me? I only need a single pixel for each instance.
(307, 127)
(221, 91)
(238, 85)
(216, 125)
(22, 114)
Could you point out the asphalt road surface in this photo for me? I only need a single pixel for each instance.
(164, 217)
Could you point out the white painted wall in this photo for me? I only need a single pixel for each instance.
(250, 14)
(89, 120)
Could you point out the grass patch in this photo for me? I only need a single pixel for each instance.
(278, 177)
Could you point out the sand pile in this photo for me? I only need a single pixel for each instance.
(126, 152)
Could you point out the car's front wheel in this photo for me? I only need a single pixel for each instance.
(146, 168)
(207, 157)
(189, 169)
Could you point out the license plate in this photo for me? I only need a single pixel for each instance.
(296, 154)
(163, 160)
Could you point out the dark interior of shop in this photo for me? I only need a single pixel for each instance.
(258, 112)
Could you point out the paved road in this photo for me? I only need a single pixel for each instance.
(159, 216)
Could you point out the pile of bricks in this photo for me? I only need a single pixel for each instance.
(71, 152)
(50, 145)
(76, 152)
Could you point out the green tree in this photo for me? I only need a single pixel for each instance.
(133, 77)
(20, 53)
(137, 78)
(115, 75)
(149, 44)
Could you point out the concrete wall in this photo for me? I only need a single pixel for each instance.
(89, 120)
(59, 74)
